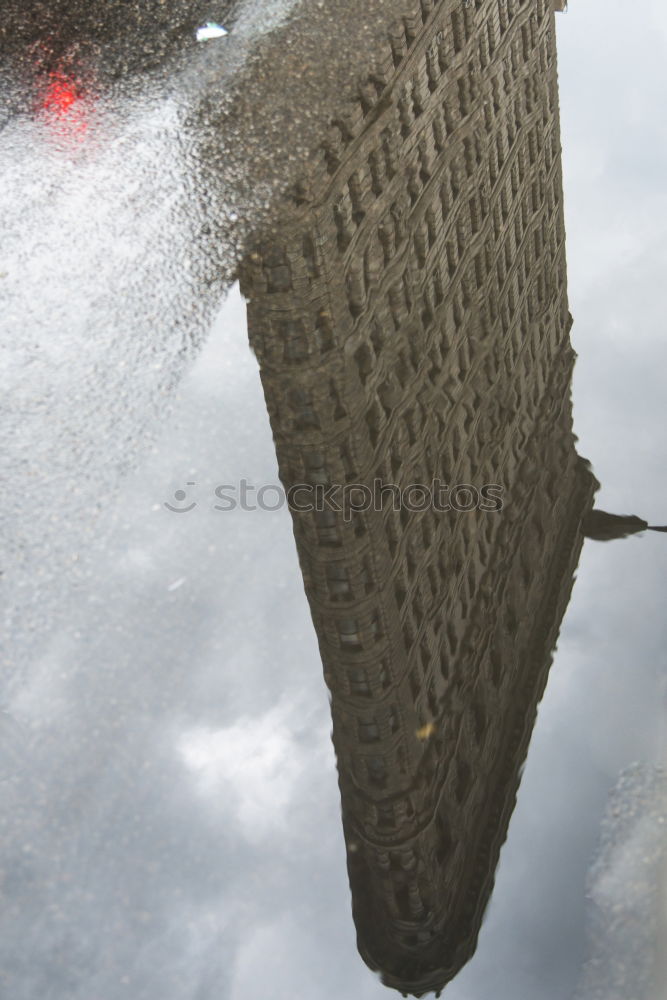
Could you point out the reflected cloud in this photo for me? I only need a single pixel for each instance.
(626, 890)
(253, 767)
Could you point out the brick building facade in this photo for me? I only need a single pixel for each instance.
(409, 313)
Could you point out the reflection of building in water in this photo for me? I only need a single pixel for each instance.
(410, 317)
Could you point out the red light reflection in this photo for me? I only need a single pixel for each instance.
(64, 105)
(61, 94)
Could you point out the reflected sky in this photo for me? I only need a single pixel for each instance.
(140, 857)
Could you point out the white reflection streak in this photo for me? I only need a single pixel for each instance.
(210, 30)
